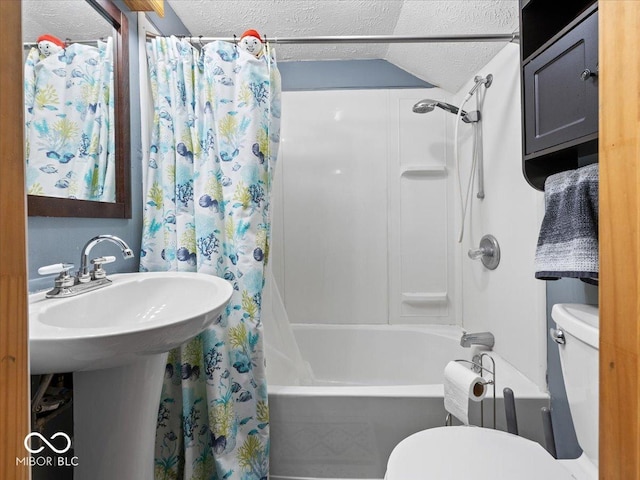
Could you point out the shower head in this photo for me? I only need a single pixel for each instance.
(427, 105)
(424, 106)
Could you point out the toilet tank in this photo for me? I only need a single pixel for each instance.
(579, 360)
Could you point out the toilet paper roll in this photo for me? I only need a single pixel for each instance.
(461, 384)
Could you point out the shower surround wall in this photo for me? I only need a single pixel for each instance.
(362, 229)
(508, 301)
(367, 190)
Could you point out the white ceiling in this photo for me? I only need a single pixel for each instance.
(448, 65)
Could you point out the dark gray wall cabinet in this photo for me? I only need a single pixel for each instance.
(559, 87)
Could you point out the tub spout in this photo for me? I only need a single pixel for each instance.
(483, 338)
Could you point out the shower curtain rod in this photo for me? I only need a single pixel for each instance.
(67, 41)
(497, 37)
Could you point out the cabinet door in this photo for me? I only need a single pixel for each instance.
(560, 98)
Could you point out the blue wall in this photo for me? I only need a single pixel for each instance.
(340, 74)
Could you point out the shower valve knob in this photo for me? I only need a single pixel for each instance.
(488, 252)
(478, 253)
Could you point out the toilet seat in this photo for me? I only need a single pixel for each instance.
(462, 453)
(581, 467)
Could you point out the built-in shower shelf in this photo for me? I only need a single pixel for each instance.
(423, 170)
(422, 298)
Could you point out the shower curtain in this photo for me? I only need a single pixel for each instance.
(213, 147)
(69, 130)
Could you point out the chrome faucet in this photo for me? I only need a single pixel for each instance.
(483, 338)
(84, 281)
(83, 273)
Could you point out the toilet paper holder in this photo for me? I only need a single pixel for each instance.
(478, 365)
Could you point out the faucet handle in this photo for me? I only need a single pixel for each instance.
(98, 271)
(59, 268)
(103, 260)
(62, 269)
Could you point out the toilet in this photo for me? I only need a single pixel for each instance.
(460, 453)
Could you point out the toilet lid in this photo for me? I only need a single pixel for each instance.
(463, 453)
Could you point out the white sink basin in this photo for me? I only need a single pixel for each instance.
(115, 340)
(138, 314)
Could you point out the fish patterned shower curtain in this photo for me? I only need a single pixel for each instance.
(69, 122)
(213, 147)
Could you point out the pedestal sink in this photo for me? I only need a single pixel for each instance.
(115, 340)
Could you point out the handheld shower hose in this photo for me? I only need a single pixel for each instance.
(464, 199)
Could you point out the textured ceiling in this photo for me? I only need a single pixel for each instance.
(72, 19)
(450, 65)
(447, 65)
(295, 18)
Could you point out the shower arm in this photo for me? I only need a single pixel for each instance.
(468, 117)
(486, 81)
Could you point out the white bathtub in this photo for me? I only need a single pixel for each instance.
(372, 386)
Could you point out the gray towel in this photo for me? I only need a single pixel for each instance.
(568, 242)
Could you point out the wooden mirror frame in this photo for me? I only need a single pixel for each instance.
(66, 207)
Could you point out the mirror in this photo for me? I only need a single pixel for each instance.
(84, 26)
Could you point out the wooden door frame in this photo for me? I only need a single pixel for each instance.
(619, 157)
(14, 337)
